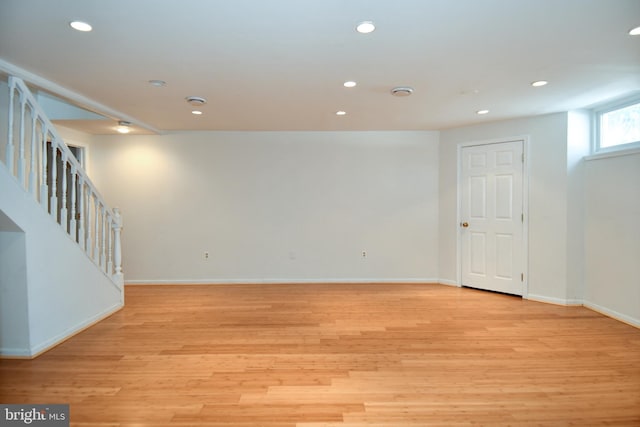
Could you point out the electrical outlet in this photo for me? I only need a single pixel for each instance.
(206, 254)
(364, 254)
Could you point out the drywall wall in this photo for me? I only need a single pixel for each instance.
(547, 161)
(14, 311)
(65, 292)
(612, 235)
(273, 206)
(578, 146)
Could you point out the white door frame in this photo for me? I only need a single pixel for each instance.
(525, 205)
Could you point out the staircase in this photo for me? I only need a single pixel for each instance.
(60, 252)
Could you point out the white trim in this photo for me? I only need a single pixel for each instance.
(71, 96)
(526, 172)
(613, 153)
(70, 332)
(612, 313)
(448, 282)
(15, 353)
(553, 300)
(606, 108)
(278, 281)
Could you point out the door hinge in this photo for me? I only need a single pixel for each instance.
(522, 277)
(522, 217)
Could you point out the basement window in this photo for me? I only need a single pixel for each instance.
(618, 126)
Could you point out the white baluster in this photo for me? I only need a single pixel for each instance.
(73, 222)
(63, 210)
(81, 215)
(110, 249)
(44, 185)
(32, 165)
(54, 180)
(22, 164)
(9, 147)
(117, 251)
(96, 236)
(88, 222)
(103, 251)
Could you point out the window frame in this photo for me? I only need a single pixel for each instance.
(597, 124)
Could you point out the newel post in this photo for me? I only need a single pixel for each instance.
(117, 247)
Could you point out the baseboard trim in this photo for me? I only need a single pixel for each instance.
(277, 281)
(448, 282)
(613, 314)
(553, 300)
(35, 351)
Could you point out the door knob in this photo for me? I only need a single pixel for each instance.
(464, 224)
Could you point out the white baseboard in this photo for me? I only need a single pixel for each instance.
(612, 313)
(553, 300)
(275, 281)
(36, 350)
(449, 282)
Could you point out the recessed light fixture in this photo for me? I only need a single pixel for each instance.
(481, 112)
(80, 26)
(341, 113)
(402, 91)
(539, 83)
(196, 101)
(196, 112)
(350, 83)
(365, 27)
(157, 83)
(123, 127)
(634, 31)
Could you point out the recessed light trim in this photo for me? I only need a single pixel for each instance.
(366, 27)
(539, 83)
(157, 83)
(482, 112)
(196, 112)
(196, 101)
(341, 113)
(350, 84)
(81, 26)
(634, 31)
(123, 127)
(402, 91)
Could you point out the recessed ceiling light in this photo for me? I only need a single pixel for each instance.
(634, 31)
(196, 101)
(365, 27)
(539, 83)
(157, 83)
(196, 112)
(481, 112)
(402, 91)
(350, 83)
(80, 26)
(341, 113)
(123, 127)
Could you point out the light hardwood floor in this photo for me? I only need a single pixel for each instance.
(386, 355)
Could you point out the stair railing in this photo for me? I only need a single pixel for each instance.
(47, 169)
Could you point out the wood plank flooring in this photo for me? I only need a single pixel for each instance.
(330, 355)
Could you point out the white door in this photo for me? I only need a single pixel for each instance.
(491, 217)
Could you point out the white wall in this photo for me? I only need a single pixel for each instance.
(612, 235)
(547, 159)
(578, 146)
(64, 291)
(14, 311)
(274, 206)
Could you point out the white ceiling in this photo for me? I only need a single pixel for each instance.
(280, 64)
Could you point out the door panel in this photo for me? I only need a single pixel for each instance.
(491, 222)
